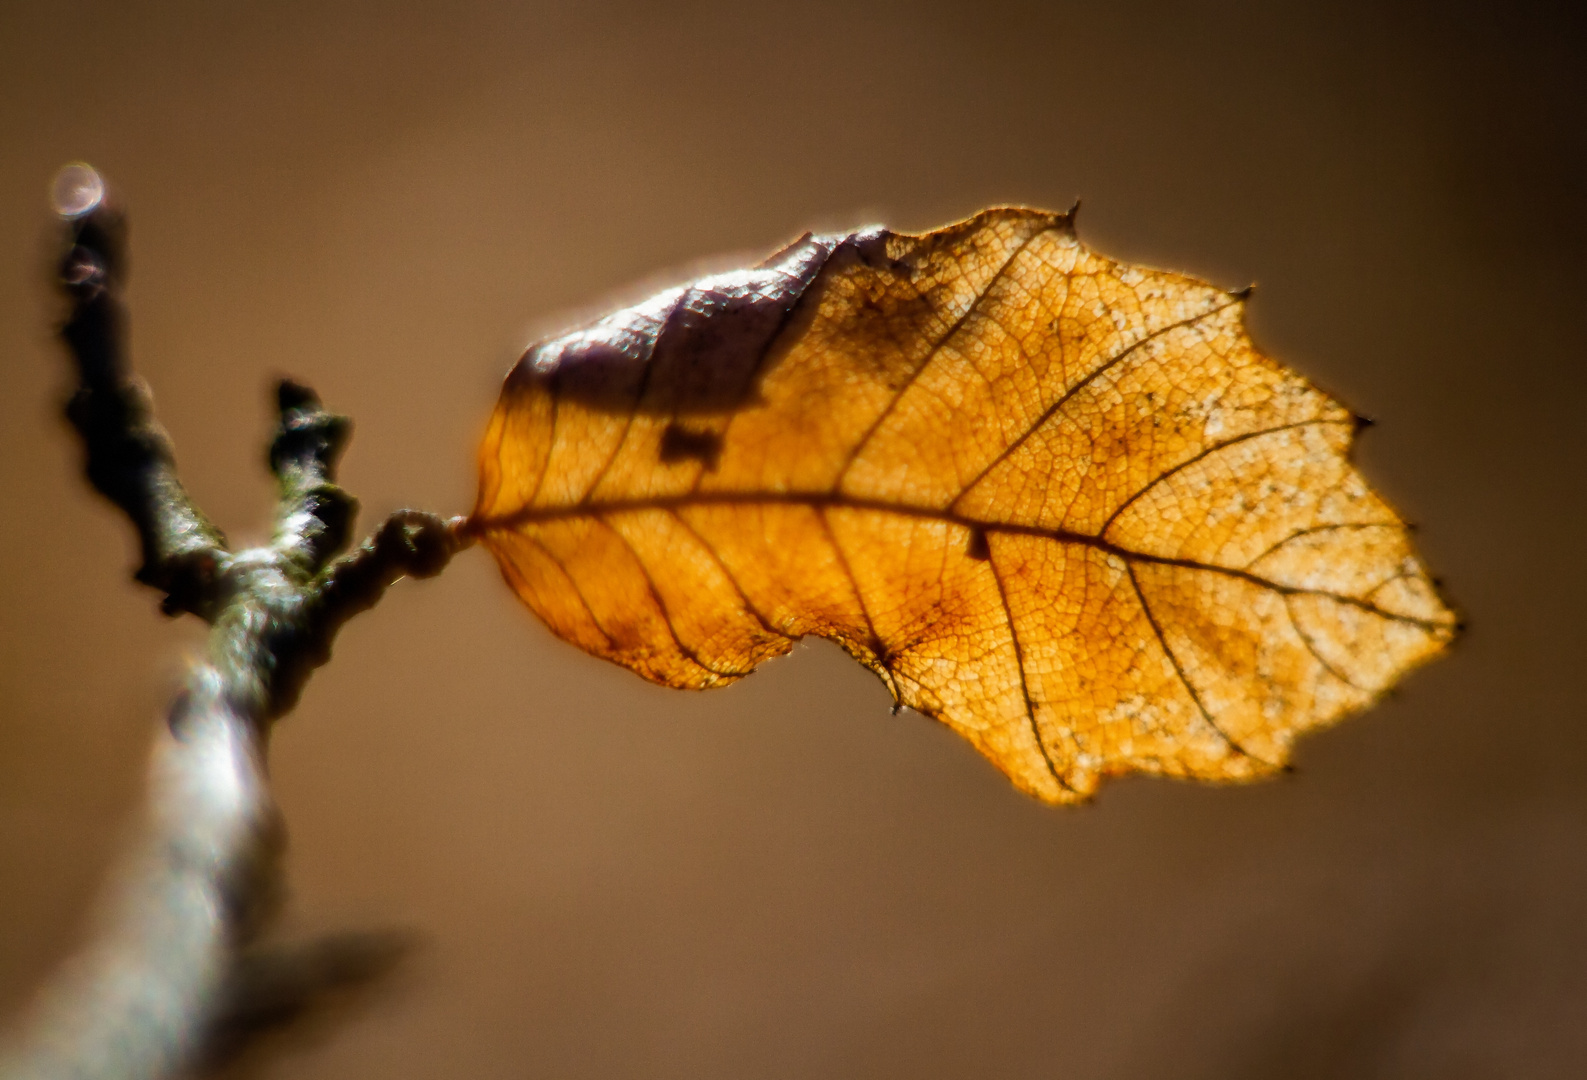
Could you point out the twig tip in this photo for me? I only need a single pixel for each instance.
(294, 395)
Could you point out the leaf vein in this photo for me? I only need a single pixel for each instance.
(1162, 640)
(573, 582)
(874, 644)
(822, 500)
(661, 606)
(1309, 530)
(1311, 647)
(749, 605)
(1024, 686)
(930, 357)
(1051, 410)
(1205, 453)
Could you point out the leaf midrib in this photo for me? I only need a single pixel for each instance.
(827, 500)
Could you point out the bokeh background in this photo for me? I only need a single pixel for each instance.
(780, 879)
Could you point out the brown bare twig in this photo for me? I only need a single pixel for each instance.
(148, 998)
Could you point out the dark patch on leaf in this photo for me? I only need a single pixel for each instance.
(978, 548)
(679, 443)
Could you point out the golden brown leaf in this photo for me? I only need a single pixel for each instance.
(1060, 503)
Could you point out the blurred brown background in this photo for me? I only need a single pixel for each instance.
(780, 879)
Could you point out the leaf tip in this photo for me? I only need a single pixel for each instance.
(1067, 218)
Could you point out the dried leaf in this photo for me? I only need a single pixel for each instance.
(1060, 503)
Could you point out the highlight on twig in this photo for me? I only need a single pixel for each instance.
(77, 190)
